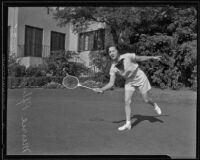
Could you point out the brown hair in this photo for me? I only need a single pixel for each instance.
(107, 48)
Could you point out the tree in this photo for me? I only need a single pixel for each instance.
(167, 30)
(120, 20)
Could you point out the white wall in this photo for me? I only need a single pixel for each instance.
(38, 17)
(30, 61)
(13, 23)
(72, 39)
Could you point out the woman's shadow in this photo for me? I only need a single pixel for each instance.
(140, 118)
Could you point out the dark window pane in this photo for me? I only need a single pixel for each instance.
(91, 40)
(57, 41)
(33, 41)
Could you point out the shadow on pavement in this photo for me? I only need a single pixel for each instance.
(139, 118)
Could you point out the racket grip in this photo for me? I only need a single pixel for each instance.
(85, 87)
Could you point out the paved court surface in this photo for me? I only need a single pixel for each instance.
(81, 122)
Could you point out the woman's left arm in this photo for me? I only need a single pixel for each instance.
(145, 58)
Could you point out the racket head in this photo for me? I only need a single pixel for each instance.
(70, 82)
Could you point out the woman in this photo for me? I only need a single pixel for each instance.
(135, 79)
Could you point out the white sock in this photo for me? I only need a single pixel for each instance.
(128, 122)
(155, 105)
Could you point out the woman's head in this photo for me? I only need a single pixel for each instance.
(113, 52)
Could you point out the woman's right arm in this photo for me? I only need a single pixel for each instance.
(109, 85)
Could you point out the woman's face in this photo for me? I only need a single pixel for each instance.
(113, 53)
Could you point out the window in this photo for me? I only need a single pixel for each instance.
(91, 41)
(57, 41)
(33, 41)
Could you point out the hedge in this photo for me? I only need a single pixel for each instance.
(21, 82)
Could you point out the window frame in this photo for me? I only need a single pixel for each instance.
(51, 40)
(26, 41)
(95, 34)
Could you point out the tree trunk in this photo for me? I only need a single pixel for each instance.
(114, 34)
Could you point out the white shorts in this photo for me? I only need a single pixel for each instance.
(143, 88)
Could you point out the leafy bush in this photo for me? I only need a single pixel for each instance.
(36, 71)
(16, 70)
(193, 79)
(101, 77)
(169, 31)
(92, 83)
(176, 63)
(53, 85)
(58, 64)
(21, 82)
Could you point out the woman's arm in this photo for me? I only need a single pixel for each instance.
(107, 86)
(145, 58)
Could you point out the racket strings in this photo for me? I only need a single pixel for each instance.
(70, 82)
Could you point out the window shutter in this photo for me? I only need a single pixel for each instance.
(38, 43)
(57, 41)
(95, 40)
(81, 42)
(86, 43)
(91, 41)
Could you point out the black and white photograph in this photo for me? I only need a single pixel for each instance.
(101, 80)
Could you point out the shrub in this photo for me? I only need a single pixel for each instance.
(53, 85)
(16, 70)
(101, 77)
(36, 71)
(174, 69)
(92, 83)
(20, 82)
(193, 79)
(58, 64)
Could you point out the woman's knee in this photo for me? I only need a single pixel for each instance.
(127, 102)
(146, 100)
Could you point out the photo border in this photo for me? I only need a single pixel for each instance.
(24, 3)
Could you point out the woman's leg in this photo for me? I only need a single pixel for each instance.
(148, 100)
(128, 97)
(144, 90)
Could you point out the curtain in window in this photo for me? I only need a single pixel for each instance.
(33, 42)
(91, 40)
(57, 41)
(81, 42)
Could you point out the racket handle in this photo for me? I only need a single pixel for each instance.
(85, 87)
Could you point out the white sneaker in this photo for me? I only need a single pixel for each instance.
(157, 109)
(125, 126)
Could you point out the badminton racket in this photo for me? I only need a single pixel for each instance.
(72, 82)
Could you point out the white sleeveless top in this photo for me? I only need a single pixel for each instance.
(131, 71)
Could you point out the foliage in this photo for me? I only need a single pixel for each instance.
(16, 70)
(193, 79)
(176, 64)
(168, 31)
(53, 85)
(36, 71)
(58, 64)
(21, 82)
(92, 83)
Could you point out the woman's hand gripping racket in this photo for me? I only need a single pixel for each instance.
(72, 82)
